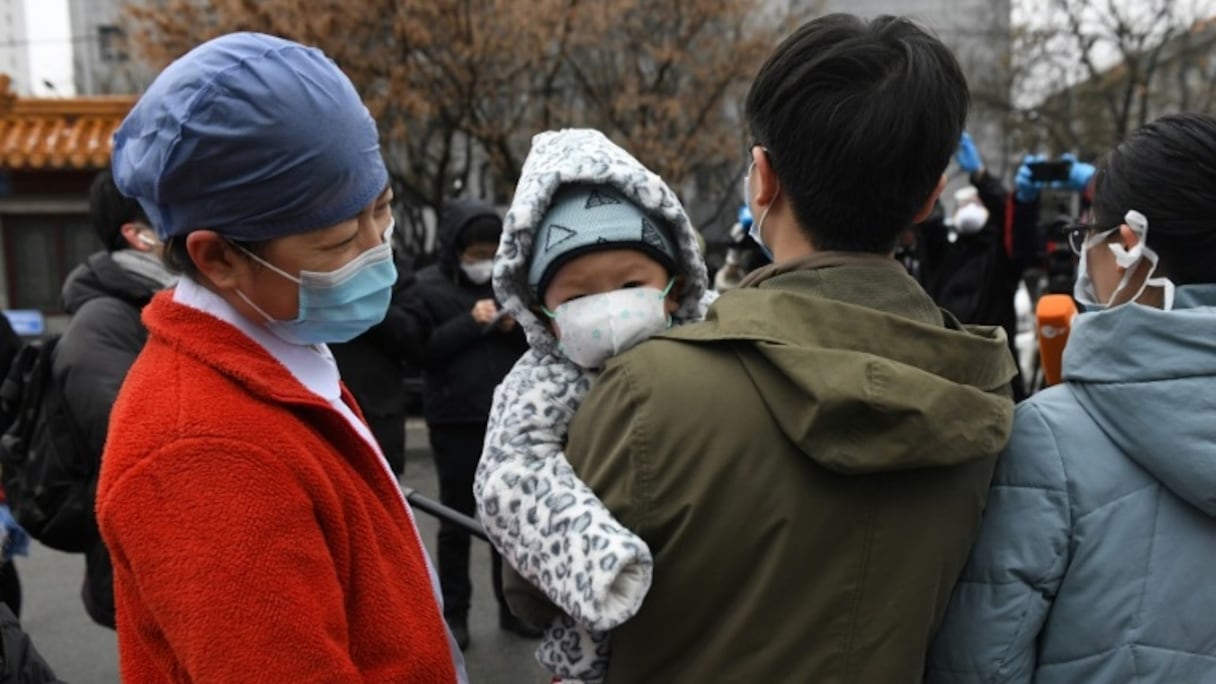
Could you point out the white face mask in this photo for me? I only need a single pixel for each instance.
(970, 218)
(478, 272)
(756, 231)
(1127, 259)
(597, 327)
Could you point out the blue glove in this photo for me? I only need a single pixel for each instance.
(745, 217)
(1027, 189)
(16, 540)
(1080, 175)
(967, 156)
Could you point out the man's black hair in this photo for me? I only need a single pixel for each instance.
(1166, 170)
(859, 119)
(109, 209)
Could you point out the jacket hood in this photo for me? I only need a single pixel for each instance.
(101, 276)
(456, 215)
(860, 390)
(1148, 378)
(586, 156)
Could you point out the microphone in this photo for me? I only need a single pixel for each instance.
(1053, 319)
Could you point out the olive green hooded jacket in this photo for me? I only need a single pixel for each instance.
(808, 466)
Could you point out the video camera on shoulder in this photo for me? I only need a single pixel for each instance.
(1059, 210)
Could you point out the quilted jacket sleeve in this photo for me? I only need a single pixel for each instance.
(1002, 600)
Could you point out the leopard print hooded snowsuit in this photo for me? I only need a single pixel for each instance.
(543, 519)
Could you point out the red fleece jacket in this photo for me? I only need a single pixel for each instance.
(255, 535)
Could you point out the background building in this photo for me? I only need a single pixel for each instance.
(50, 150)
(103, 59)
(14, 45)
(980, 33)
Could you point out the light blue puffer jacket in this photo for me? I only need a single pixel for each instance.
(1096, 560)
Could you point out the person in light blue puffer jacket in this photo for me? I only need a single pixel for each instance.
(1096, 559)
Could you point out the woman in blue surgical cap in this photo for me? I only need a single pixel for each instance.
(255, 529)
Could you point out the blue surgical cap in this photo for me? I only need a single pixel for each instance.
(252, 136)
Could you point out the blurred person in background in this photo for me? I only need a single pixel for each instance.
(473, 346)
(964, 264)
(105, 297)
(373, 365)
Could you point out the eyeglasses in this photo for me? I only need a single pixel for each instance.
(1078, 234)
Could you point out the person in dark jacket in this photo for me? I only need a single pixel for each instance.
(373, 365)
(10, 344)
(19, 660)
(105, 296)
(964, 265)
(10, 581)
(472, 348)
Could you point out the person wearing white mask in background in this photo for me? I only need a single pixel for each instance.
(970, 214)
(255, 528)
(1094, 560)
(473, 345)
(964, 264)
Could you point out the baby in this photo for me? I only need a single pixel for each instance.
(596, 256)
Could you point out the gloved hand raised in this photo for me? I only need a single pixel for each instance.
(967, 155)
(1079, 176)
(1027, 188)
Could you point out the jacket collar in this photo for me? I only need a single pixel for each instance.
(818, 260)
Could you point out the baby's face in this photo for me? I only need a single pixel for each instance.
(604, 271)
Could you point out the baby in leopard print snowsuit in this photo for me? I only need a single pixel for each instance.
(597, 254)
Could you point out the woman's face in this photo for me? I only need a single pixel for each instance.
(325, 249)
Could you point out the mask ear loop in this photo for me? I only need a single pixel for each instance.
(267, 264)
(1128, 259)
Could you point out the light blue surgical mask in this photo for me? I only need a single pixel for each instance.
(338, 305)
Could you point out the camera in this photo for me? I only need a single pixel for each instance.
(1049, 171)
(1059, 211)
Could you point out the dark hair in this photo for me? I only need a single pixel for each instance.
(109, 209)
(1166, 170)
(177, 258)
(479, 230)
(859, 119)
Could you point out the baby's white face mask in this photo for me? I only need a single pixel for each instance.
(597, 327)
(1127, 259)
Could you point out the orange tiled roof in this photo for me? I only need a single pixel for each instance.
(58, 133)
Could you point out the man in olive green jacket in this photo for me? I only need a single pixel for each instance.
(809, 465)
